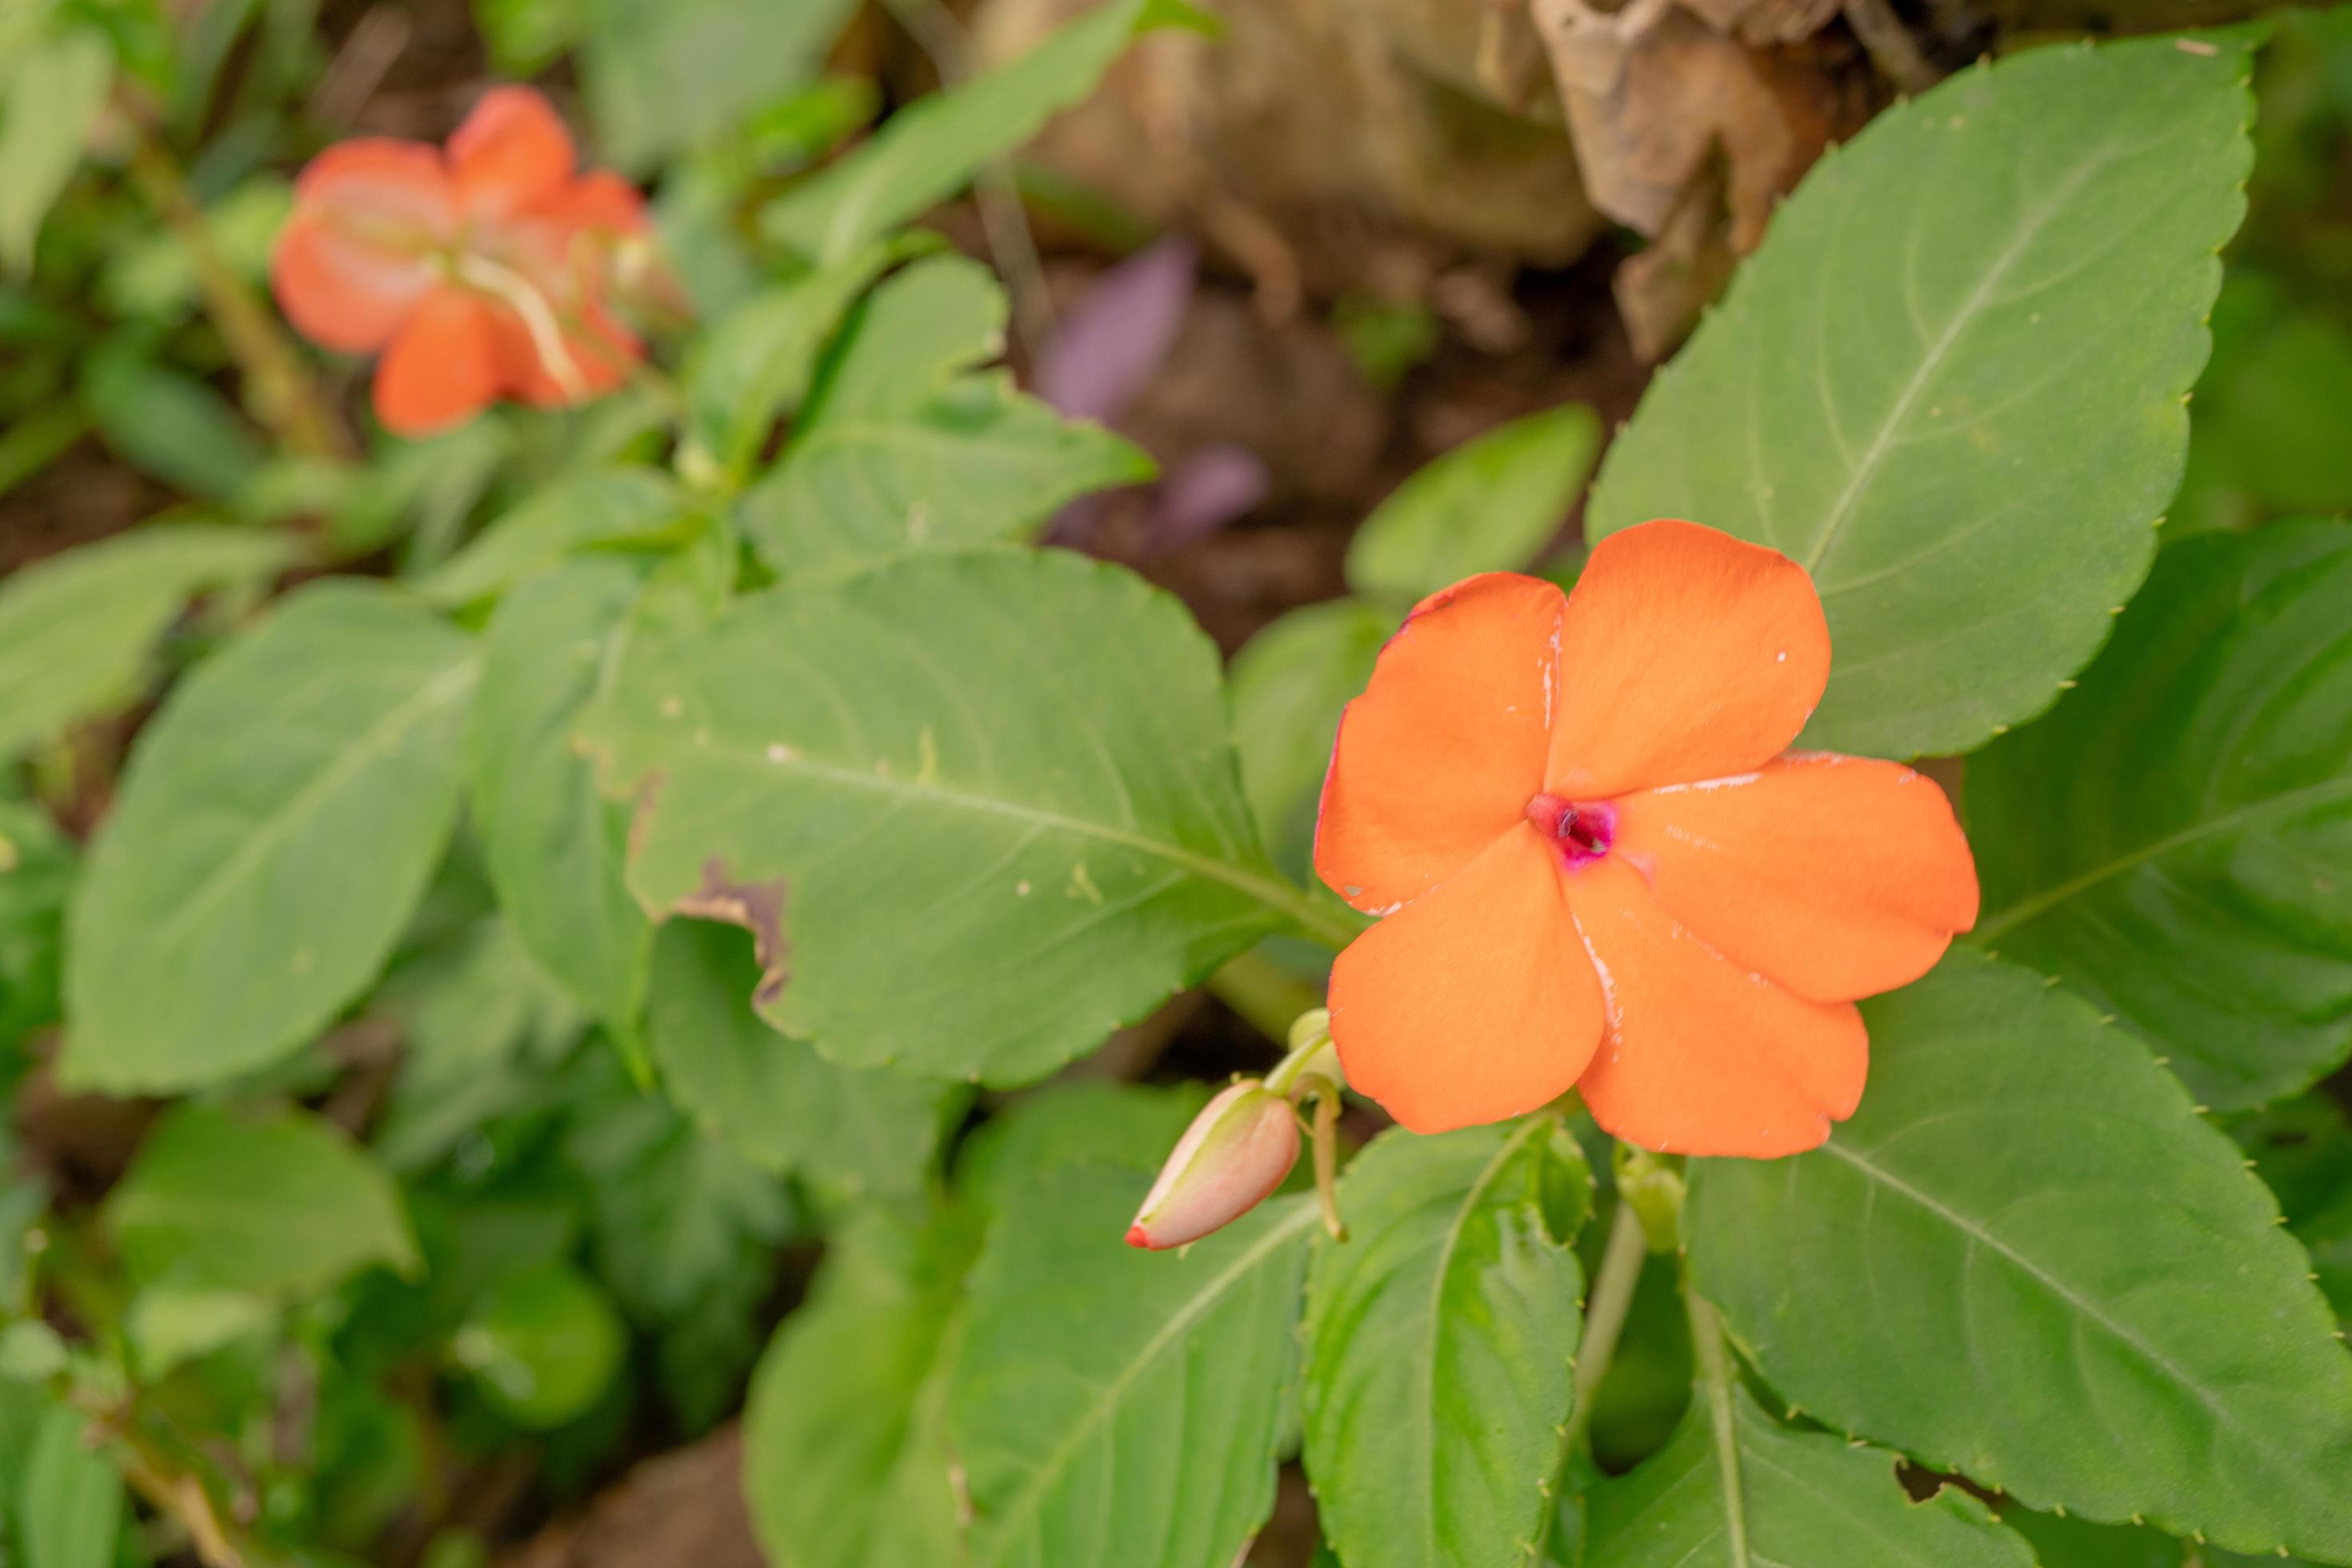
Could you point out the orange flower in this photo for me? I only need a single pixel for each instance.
(481, 273)
(1600, 868)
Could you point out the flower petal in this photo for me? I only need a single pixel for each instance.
(442, 369)
(1686, 654)
(1839, 876)
(593, 361)
(513, 150)
(599, 201)
(1474, 1002)
(357, 253)
(1444, 748)
(1702, 1057)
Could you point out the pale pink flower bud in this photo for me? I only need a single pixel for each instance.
(1230, 1160)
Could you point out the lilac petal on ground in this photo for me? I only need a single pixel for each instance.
(1117, 335)
(1203, 493)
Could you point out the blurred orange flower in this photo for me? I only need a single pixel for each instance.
(1600, 870)
(480, 273)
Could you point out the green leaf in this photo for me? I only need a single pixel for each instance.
(276, 824)
(1950, 384)
(910, 339)
(2301, 1149)
(543, 1345)
(2013, 1262)
(53, 98)
(1075, 1122)
(169, 1324)
(979, 807)
(1441, 1344)
(77, 630)
(38, 867)
(552, 845)
(845, 1459)
(901, 448)
(169, 424)
(2175, 840)
(616, 510)
(68, 1500)
(281, 1205)
(929, 151)
(662, 79)
(774, 1099)
(1790, 1497)
(480, 1026)
(2074, 1543)
(1115, 1406)
(1489, 505)
(1288, 684)
(979, 463)
(756, 364)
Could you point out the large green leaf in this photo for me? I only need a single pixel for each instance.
(845, 1459)
(759, 363)
(50, 99)
(2175, 840)
(543, 1344)
(929, 151)
(168, 424)
(2027, 1259)
(1950, 384)
(1114, 1405)
(1441, 1344)
(609, 510)
(1489, 505)
(2076, 1543)
(276, 824)
(68, 1500)
(552, 844)
(1735, 1489)
(979, 807)
(661, 79)
(76, 630)
(2301, 1149)
(774, 1099)
(281, 1204)
(1289, 683)
(901, 448)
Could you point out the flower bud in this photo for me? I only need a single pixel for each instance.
(1230, 1160)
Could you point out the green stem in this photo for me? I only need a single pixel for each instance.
(283, 395)
(1715, 1381)
(1605, 1318)
(1266, 995)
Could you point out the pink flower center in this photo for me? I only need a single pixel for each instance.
(1581, 830)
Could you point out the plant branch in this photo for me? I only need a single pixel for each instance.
(1267, 997)
(1715, 1381)
(278, 385)
(1604, 1317)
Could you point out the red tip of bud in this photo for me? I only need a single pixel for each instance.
(1231, 1158)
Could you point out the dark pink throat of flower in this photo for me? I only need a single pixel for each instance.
(1581, 830)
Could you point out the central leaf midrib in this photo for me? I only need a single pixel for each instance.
(1426, 1429)
(1840, 510)
(1050, 1469)
(1994, 927)
(2122, 1333)
(411, 711)
(1276, 897)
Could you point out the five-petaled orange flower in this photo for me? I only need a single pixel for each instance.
(481, 273)
(1600, 867)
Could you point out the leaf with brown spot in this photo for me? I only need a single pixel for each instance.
(985, 801)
